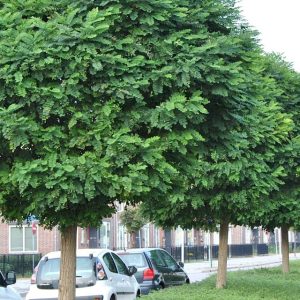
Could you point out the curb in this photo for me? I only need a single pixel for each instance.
(214, 269)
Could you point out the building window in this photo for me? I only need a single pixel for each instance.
(120, 206)
(104, 235)
(156, 237)
(82, 236)
(146, 238)
(121, 237)
(22, 239)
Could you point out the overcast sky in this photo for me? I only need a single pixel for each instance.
(278, 21)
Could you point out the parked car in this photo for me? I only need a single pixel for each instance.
(6, 291)
(100, 275)
(156, 268)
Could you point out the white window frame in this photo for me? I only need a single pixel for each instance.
(146, 230)
(23, 227)
(156, 237)
(82, 236)
(104, 241)
(121, 237)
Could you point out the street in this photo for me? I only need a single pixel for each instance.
(200, 270)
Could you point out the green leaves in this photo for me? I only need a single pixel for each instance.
(179, 110)
(163, 101)
(133, 219)
(68, 168)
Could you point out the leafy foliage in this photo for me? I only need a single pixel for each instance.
(96, 98)
(133, 219)
(163, 101)
(230, 173)
(282, 206)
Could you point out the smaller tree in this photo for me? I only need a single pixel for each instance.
(281, 208)
(133, 220)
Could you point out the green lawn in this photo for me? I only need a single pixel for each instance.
(253, 284)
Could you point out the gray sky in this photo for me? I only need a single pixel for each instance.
(278, 21)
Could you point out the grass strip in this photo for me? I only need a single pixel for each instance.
(256, 284)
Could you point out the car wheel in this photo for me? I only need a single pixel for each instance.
(112, 297)
(161, 286)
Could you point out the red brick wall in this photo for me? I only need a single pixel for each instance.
(47, 240)
(4, 239)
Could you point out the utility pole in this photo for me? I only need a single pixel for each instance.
(182, 245)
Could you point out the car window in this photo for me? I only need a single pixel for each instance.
(169, 260)
(108, 260)
(49, 269)
(134, 259)
(156, 258)
(122, 268)
(84, 267)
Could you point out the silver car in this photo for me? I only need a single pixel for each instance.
(6, 291)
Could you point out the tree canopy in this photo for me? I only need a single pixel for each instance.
(159, 100)
(89, 93)
(229, 172)
(132, 219)
(283, 206)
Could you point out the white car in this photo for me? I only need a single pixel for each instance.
(100, 275)
(7, 292)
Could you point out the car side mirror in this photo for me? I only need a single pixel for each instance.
(132, 270)
(10, 277)
(180, 264)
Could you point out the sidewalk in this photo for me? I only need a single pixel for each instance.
(238, 263)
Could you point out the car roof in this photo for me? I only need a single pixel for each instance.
(137, 250)
(79, 252)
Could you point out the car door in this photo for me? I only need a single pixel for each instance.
(116, 278)
(161, 266)
(128, 282)
(176, 274)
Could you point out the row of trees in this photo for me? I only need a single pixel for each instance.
(169, 102)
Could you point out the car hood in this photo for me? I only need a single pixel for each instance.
(9, 293)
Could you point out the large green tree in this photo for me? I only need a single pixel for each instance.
(156, 100)
(93, 97)
(244, 130)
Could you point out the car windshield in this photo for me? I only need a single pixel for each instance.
(48, 273)
(134, 259)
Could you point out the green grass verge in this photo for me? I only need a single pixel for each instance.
(257, 284)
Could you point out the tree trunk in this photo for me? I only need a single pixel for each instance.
(285, 248)
(222, 257)
(67, 280)
(132, 239)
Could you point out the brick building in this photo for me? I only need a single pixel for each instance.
(15, 239)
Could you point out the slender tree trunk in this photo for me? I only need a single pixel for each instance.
(67, 280)
(285, 248)
(132, 239)
(222, 257)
